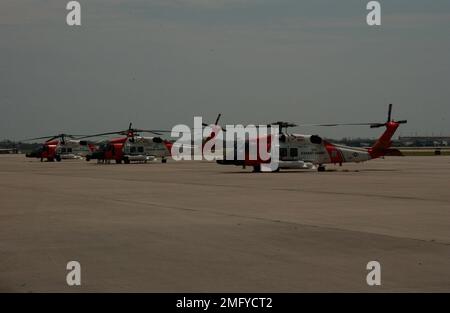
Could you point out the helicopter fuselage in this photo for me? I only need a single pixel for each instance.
(127, 149)
(56, 150)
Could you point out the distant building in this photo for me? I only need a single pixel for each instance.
(424, 141)
(9, 151)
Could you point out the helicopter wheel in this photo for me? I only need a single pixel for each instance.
(126, 161)
(163, 160)
(58, 158)
(321, 168)
(257, 169)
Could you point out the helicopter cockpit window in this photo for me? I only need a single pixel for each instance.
(108, 147)
(316, 139)
(103, 146)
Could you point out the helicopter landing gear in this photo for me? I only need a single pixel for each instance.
(58, 158)
(163, 160)
(257, 169)
(321, 168)
(126, 160)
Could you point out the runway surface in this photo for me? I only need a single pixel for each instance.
(200, 227)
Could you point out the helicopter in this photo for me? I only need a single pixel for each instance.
(132, 147)
(298, 151)
(59, 147)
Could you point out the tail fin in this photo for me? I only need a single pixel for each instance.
(382, 145)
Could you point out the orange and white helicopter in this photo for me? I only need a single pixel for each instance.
(297, 151)
(59, 147)
(131, 147)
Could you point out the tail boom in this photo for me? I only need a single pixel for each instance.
(382, 145)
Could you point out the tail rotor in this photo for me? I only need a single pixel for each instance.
(216, 123)
(389, 120)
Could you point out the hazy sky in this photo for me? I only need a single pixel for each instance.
(159, 63)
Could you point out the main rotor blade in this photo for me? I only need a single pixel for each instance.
(337, 124)
(53, 138)
(153, 130)
(218, 118)
(102, 134)
(319, 125)
(284, 124)
(209, 125)
(389, 112)
(147, 131)
(49, 138)
(37, 138)
(158, 132)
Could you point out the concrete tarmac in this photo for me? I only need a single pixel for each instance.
(202, 227)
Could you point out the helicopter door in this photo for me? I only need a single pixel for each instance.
(283, 154)
(293, 153)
